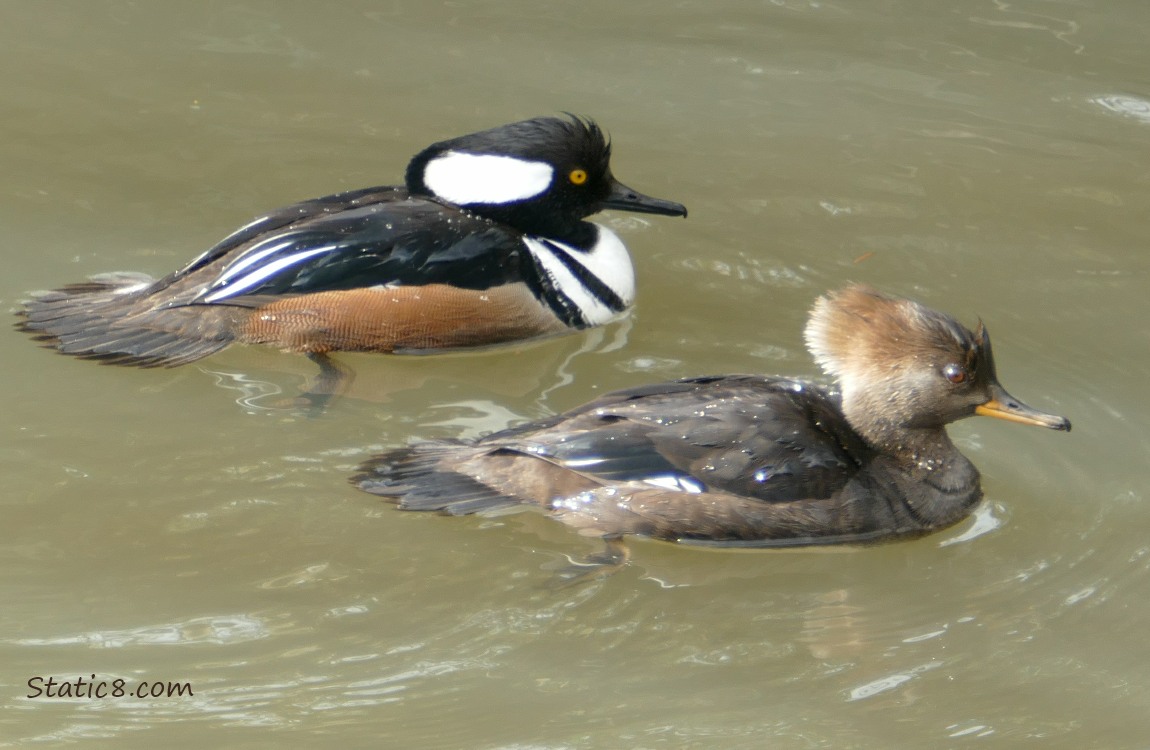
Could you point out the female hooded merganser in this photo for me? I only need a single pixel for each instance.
(745, 460)
(484, 244)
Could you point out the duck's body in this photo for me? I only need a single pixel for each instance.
(484, 244)
(746, 460)
(735, 459)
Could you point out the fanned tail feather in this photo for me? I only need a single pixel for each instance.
(421, 478)
(111, 318)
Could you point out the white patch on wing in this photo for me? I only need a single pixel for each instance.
(464, 179)
(262, 273)
(608, 260)
(250, 258)
(677, 483)
(132, 289)
(582, 463)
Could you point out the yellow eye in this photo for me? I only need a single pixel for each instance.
(577, 176)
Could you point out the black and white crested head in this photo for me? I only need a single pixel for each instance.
(542, 175)
(513, 163)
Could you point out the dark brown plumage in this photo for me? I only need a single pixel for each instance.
(743, 460)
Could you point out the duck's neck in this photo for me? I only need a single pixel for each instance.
(579, 234)
(936, 483)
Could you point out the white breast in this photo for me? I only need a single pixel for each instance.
(608, 261)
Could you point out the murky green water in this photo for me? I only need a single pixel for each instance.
(988, 158)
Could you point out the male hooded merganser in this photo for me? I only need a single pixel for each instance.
(745, 460)
(485, 243)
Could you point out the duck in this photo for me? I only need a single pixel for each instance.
(746, 460)
(485, 243)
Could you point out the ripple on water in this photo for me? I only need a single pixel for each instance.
(1127, 106)
(216, 629)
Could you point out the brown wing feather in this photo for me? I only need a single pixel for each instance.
(107, 320)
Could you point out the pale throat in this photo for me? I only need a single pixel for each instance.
(879, 422)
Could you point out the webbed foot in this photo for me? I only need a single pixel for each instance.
(333, 380)
(611, 560)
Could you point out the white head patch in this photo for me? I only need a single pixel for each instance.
(463, 178)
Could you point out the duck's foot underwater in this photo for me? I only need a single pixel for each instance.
(333, 380)
(615, 555)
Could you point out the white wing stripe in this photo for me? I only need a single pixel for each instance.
(248, 259)
(677, 483)
(260, 274)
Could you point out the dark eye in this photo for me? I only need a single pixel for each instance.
(577, 176)
(955, 373)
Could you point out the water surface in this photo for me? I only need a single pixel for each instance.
(987, 158)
